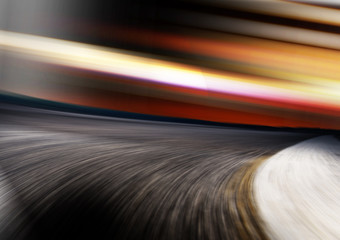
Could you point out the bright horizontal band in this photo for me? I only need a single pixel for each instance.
(116, 62)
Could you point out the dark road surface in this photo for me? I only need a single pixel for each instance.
(68, 176)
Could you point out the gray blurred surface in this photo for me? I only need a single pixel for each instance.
(78, 177)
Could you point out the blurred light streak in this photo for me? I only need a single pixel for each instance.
(87, 88)
(258, 29)
(329, 2)
(279, 60)
(291, 61)
(93, 58)
(287, 9)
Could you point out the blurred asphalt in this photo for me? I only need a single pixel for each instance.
(72, 176)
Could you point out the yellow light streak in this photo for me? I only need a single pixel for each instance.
(113, 61)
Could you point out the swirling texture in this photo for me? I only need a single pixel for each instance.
(75, 176)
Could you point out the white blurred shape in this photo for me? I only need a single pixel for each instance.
(297, 191)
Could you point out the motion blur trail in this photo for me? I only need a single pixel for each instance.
(72, 176)
(297, 191)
